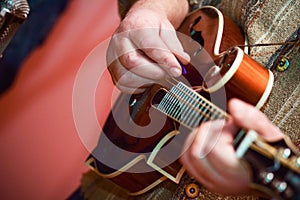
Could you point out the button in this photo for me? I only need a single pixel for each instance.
(192, 190)
(283, 64)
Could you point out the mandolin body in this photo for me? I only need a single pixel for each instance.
(139, 146)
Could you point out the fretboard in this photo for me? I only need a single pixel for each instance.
(188, 107)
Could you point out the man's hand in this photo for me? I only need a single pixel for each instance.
(209, 153)
(145, 47)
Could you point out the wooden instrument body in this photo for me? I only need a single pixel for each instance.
(135, 145)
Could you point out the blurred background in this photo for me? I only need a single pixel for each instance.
(41, 154)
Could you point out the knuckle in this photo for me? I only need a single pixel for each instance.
(150, 51)
(164, 59)
(161, 56)
(130, 60)
(194, 152)
(144, 43)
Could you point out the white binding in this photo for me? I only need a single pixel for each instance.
(155, 151)
(245, 144)
(229, 73)
(267, 92)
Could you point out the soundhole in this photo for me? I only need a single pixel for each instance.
(157, 98)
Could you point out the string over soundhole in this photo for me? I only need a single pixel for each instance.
(186, 106)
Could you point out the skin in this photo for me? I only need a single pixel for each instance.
(143, 50)
(147, 44)
(215, 165)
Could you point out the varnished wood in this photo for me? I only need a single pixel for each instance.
(125, 126)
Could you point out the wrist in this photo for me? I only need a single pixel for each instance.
(174, 10)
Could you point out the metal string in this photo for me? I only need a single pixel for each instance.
(188, 100)
(191, 100)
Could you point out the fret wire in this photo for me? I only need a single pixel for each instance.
(181, 112)
(196, 122)
(174, 101)
(188, 89)
(194, 95)
(161, 106)
(186, 115)
(174, 94)
(186, 111)
(177, 112)
(216, 114)
(213, 115)
(202, 102)
(204, 109)
(202, 119)
(193, 114)
(211, 112)
(208, 104)
(170, 94)
(180, 96)
(168, 102)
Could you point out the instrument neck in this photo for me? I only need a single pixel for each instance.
(186, 106)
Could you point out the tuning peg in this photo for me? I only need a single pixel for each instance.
(295, 161)
(267, 177)
(283, 189)
(286, 153)
(298, 162)
(280, 186)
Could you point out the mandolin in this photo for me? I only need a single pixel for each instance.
(144, 133)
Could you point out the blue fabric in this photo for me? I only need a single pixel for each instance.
(42, 16)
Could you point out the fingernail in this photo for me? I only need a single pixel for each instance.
(187, 57)
(174, 71)
(238, 108)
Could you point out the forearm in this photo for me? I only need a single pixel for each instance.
(174, 10)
